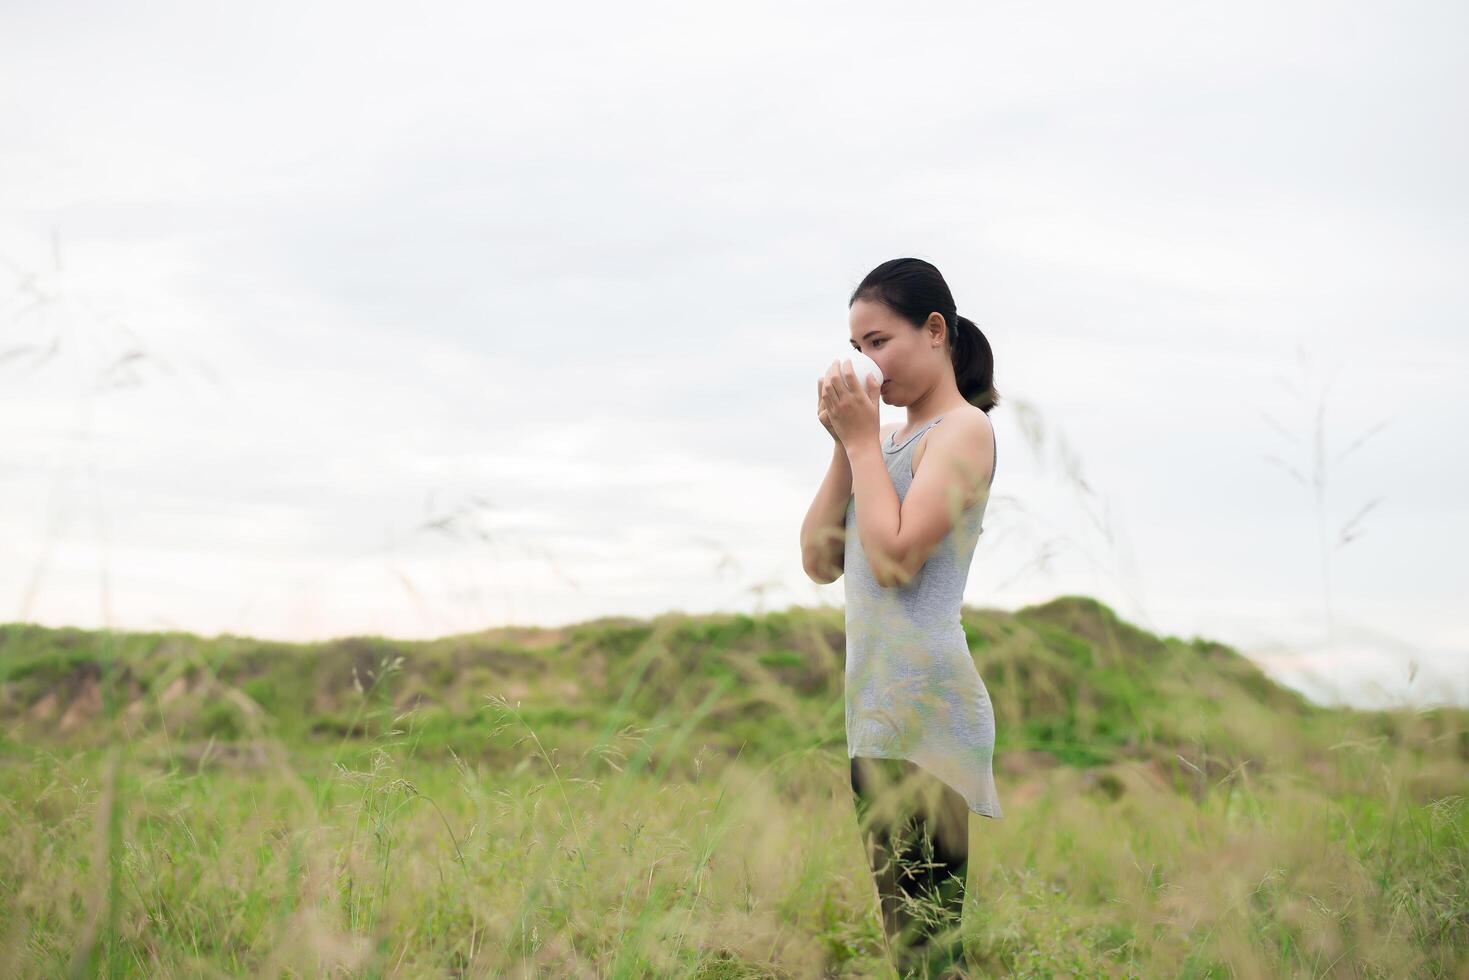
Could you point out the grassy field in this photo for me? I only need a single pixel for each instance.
(670, 798)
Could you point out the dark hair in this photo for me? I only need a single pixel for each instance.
(913, 289)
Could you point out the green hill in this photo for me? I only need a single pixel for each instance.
(1072, 684)
(669, 797)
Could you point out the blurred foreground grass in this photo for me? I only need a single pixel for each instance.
(670, 798)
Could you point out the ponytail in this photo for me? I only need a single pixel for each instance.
(974, 364)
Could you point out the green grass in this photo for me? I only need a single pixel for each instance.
(670, 798)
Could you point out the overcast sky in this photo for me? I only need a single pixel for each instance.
(329, 319)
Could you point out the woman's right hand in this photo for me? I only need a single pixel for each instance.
(820, 412)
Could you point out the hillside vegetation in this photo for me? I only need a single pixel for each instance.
(669, 796)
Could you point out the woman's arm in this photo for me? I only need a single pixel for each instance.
(823, 532)
(899, 536)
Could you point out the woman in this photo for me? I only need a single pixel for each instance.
(899, 514)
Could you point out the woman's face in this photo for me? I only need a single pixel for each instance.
(898, 349)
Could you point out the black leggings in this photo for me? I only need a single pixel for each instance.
(916, 830)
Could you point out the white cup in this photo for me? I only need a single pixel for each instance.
(862, 364)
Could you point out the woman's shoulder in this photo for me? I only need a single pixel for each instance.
(975, 445)
(978, 421)
(975, 420)
(966, 417)
(968, 411)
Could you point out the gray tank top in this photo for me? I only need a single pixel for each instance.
(912, 689)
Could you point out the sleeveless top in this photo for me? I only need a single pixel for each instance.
(912, 689)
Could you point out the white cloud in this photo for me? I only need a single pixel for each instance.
(583, 269)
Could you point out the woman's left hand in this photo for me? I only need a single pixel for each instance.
(851, 405)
